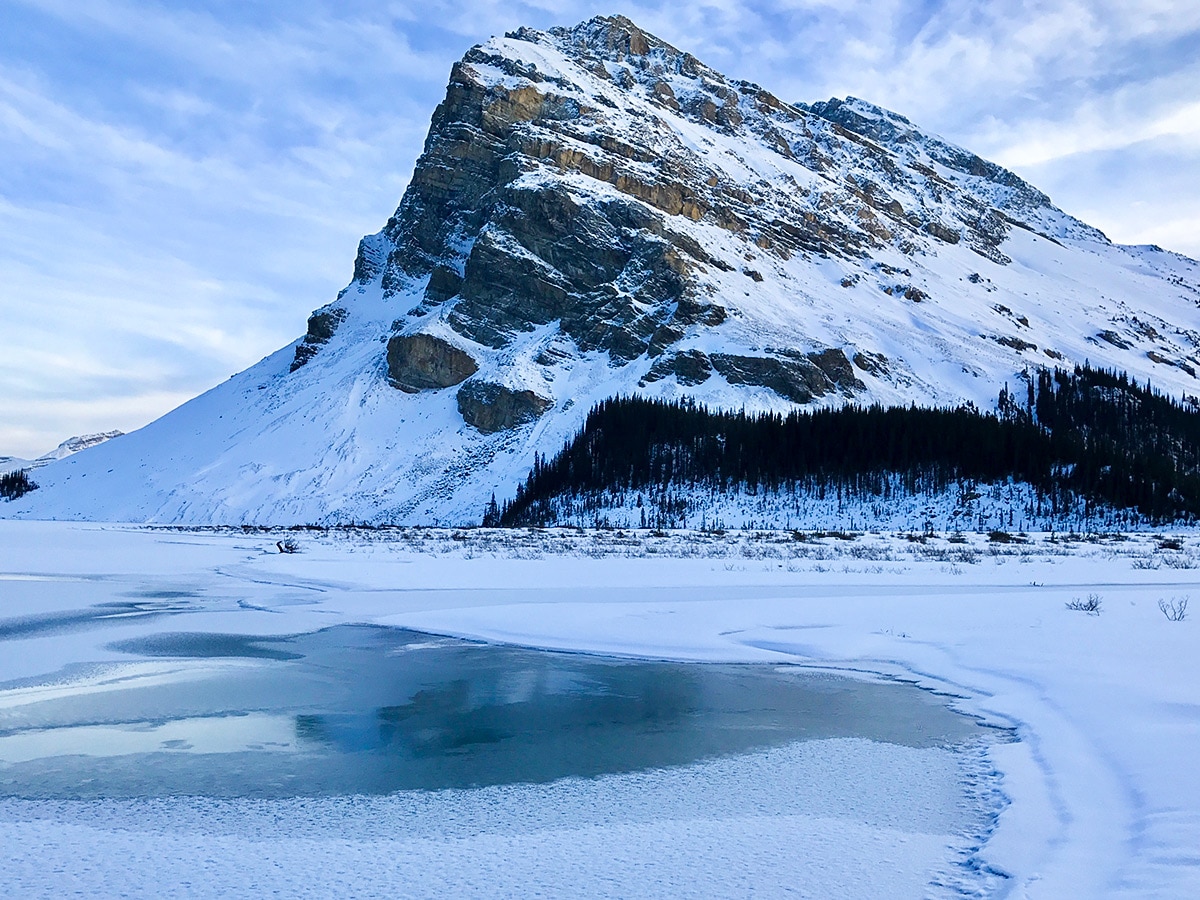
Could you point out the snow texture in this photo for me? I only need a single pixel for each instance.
(819, 819)
(1101, 794)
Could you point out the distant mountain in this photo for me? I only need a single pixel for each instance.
(597, 213)
(69, 447)
(13, 464)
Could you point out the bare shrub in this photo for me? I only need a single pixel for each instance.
(1179, 561)
(872, 552)
(1091, 605)
(1174, 609)
(1003, 537)
(840, 535)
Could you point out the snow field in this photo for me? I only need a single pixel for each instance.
(1103, 798)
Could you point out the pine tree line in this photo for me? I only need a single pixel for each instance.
(15, 484)
(1088, 435)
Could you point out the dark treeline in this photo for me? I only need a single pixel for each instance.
(14, 484)
(1087, 435)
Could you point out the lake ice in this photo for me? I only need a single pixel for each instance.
(110, 632)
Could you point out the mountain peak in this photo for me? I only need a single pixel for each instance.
(616, 48)
(614, 38)
(597, 213)
(69, 447)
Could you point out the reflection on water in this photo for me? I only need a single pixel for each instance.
(372, 710)
(40, 624)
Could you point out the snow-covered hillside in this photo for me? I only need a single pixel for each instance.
(597, 213)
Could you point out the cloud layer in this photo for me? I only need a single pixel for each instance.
(181, 183)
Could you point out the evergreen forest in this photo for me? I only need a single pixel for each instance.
(1087, 435)
(15, 484)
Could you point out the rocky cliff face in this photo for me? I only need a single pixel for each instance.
(596, 190)
(598, 213)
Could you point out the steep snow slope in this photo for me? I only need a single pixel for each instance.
(598, 213)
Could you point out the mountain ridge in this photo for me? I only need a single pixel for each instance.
(598, 213)
(69, 447)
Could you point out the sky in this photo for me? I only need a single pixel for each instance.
(182, 182)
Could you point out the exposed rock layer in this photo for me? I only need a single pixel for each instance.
(321, 326)
(422, 362)
(594, 190)
(493, 407)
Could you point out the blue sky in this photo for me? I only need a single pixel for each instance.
(181, 183)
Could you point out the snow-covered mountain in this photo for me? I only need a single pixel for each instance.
(597, 213)
(69, 447)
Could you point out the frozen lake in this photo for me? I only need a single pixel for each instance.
(198, 715)
(152, 748)
(372, 710)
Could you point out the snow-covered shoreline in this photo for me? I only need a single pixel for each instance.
(1104, 794)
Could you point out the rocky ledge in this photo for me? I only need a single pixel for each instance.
(422, 362)
(493, 407)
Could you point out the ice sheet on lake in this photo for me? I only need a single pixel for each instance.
(843, 817)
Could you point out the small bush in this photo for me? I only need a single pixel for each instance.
(957, 537)
(1170, 543)
(840, 535)
(1091, 605)
(1183, 560)
(1174, 609)
(1000, 537)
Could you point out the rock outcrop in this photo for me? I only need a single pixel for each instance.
(321, 326)
(690, 367)
(422, 362)
(494, 407)
(794, 376)
(797, 379)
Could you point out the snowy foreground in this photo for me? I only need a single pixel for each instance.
(1098, 797)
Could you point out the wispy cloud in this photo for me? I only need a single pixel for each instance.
(180, 184)
(177, 197)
